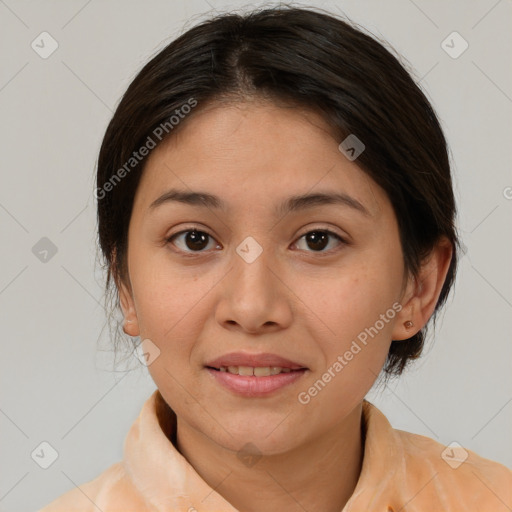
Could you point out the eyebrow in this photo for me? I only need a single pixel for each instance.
(292, 204)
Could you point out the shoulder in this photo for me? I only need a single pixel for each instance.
(402, 470)
(454, 471)
(112, 490)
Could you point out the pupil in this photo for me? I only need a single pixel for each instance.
(317, 240)
(196, 240)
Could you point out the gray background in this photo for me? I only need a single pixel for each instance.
(58, 380)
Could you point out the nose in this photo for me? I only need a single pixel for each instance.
(254, 297)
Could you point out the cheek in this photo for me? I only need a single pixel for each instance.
(355, 295)
(359, 305)
(168, 300)
(171, 309)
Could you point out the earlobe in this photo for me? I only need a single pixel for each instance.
(423, 292)
(130, 324)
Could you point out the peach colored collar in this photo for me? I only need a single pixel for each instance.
(166, 479)
(400, 471)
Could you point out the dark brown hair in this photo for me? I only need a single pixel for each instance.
(313, 60)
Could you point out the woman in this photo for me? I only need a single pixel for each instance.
(276, 211)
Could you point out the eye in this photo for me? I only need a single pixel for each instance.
(191, 240)
(319, 239)
(196, 241)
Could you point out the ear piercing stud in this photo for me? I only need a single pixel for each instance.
(408, 324)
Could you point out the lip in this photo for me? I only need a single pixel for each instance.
(254, 360)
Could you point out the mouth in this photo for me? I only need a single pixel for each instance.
(246, 362)
(255, 371)
(255, 375)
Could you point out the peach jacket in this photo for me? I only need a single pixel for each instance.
(401, 472)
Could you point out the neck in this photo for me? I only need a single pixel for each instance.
(318, 475)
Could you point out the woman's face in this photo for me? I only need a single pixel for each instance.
(261, 275)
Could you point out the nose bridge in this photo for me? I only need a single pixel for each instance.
(253, 265)
(254, 297)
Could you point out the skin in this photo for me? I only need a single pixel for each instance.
(295, 300)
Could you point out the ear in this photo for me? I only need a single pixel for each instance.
(131, 323)
(421, 294)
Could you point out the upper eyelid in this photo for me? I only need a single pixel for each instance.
(202, 230)
(325, 229)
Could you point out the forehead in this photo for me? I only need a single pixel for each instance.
(255, 151)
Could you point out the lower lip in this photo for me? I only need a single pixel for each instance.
(251, 386)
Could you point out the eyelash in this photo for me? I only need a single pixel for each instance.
(198, 230)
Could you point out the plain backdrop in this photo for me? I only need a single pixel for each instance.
(59, 384)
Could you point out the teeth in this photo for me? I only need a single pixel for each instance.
(243, 370)
(260, 371)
